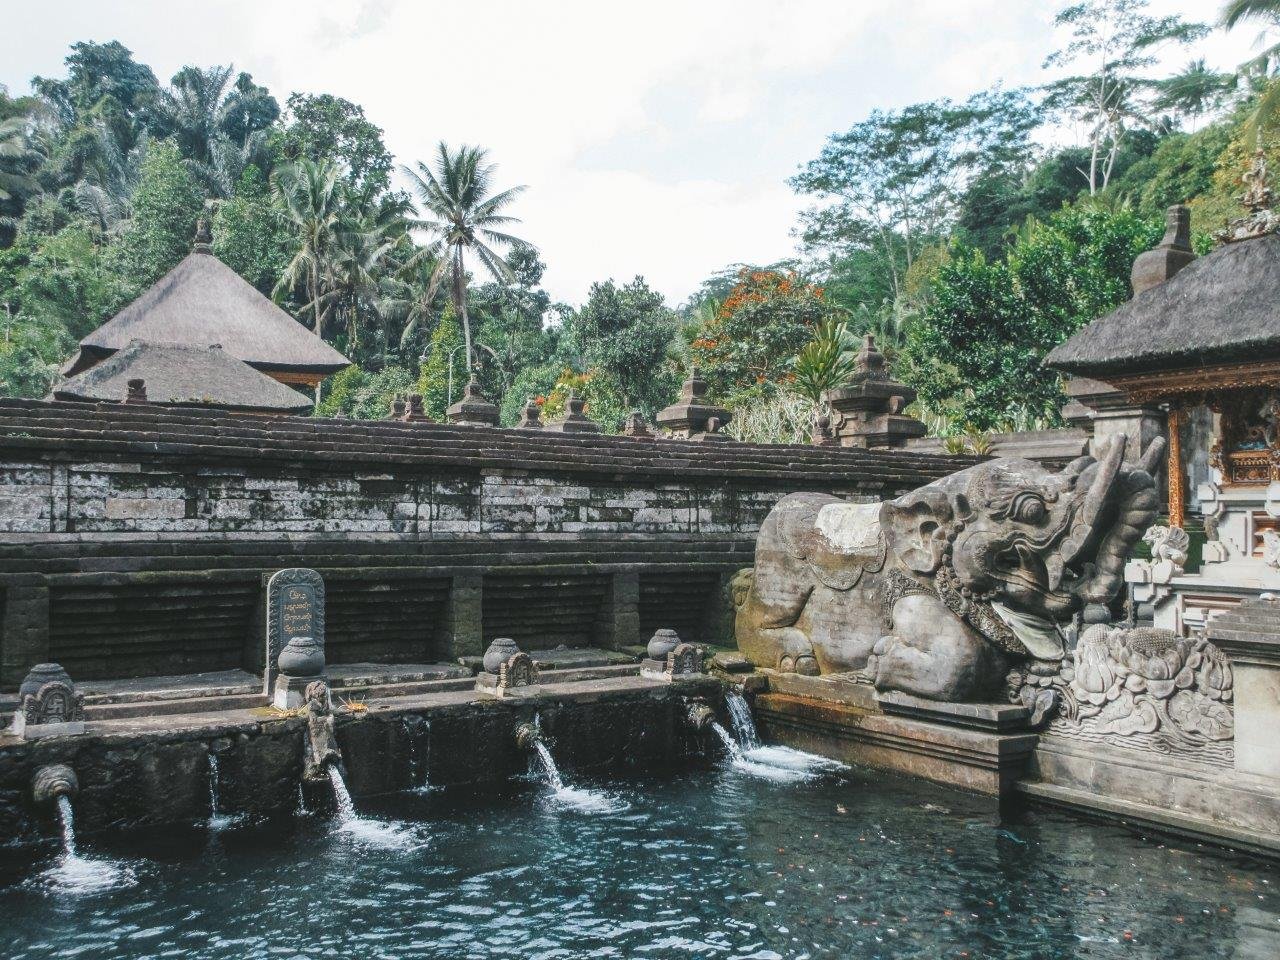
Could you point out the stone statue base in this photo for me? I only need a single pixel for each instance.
(683, 660)
(34, 731)
(290, 692)
(492, 684)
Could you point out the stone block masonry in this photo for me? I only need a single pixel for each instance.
(135, 541)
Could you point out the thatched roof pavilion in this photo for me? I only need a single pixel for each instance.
(202, 301)
(1220, 309)
(177, 374)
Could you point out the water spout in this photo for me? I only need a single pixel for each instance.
(341, 795)
(700, 716)
(529, 739)
(73, 873)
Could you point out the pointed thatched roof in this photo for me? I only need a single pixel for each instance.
(180, 374)
(1221, 308)
(202, 301)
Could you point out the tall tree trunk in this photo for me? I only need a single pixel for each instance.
(315, 309)
(460, 304)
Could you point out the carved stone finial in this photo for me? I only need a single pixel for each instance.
(575, 419)
(507, 669)
(530, 416)
(1257, 199)
(1174, 252)
(136, 391)
(416, 413)
(397, 407)
(823, 435)
(636, 426)
(691, 417)
(204, 237)
(870, 362)
(473, 408)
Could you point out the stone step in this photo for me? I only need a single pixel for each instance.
(133, 709)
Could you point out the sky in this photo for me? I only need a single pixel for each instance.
(655, 138)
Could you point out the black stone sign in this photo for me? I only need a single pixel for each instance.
(295, 608)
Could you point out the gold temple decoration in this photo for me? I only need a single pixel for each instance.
(1177, 495)
(1257, 199)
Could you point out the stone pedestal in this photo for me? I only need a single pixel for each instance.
(869, 409)
(575, 419)
(290, 693)
(1250, 637)
(1103, 411)
(692, 418)
(684, 660)
(508, 672)
(473, 408)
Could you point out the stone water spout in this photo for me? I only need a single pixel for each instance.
(53, 781)
(322, 742)
(528, 736)
(700, 716)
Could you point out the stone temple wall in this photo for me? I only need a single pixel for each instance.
(136, 541)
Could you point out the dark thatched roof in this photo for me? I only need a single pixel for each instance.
(180, 374)
(202, 301)
(1222, 308)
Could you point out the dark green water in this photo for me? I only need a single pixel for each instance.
(709, 862)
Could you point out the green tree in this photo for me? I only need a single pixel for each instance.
(323, 128)
(623, 335)
(1116, 40)
(464, 216)
(444, 371)
(892, 183)
(358, 393)
(166, 205)
(311, 201)
(765, 321)
(1195, 92)
(250, 236)
(979, 344)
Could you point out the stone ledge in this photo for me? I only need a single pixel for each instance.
(997, 717)
(978, 760)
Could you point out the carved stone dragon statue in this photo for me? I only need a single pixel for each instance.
(939, 592)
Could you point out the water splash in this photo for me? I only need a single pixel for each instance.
(365, 830)
(418, 731)
(217, 821)
(744, 725)
(72, 873)
(575, 798)
(779, 764)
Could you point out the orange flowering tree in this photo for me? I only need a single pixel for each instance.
(748, 346)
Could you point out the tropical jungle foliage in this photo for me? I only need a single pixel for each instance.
(947, 229)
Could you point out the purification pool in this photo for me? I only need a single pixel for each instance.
(769, 857)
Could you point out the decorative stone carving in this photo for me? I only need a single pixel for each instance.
(685, 660)
(1271, 548)
(574, 419)
(662, 643)
(416, 413)
(473, 408)
(52, 781)
(48, 704)
(1257, 199)
(936, 593)
(530, 416)
(295, 634)
(1138, 687)
(636, 426)
(397, 407)
(508, 670)
(136, 391)
(1169, 547)
(322, 741)
(691, 417)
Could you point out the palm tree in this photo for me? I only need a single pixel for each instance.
(1267, 13)
(409, 297)
(1193, 92)
(309, 196)
(463, 215)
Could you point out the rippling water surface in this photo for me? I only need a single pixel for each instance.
(722, 862)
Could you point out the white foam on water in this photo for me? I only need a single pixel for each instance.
(73, 874)
(793, 759)
(365, 830)
(584, 800)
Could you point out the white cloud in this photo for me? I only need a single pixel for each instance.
(655, 138)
